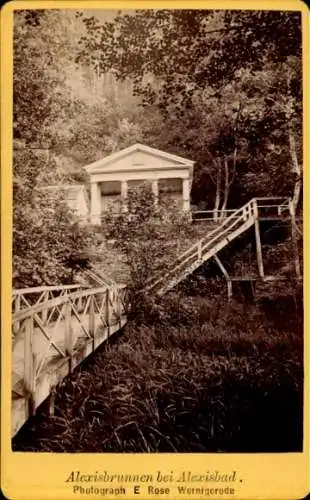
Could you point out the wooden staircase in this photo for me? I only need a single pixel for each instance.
(98, 279)
(207, 247)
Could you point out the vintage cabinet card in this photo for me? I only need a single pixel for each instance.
(155, 207)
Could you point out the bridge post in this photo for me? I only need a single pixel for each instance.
(80, 305)
(16, 309)
(259, 254)
(92, 319)
(68, 334)
(29, 365)
(51, 401)
(108, 310)
(119, 306)
(44, 311)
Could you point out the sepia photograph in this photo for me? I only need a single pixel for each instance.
(157, 247)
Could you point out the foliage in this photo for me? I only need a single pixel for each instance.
(147, 234)
(58, 126)
(59, 104)
(49, 244)
(236, 112)
(39, 80)
(189, 50)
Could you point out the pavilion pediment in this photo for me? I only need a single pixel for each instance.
(138, 157)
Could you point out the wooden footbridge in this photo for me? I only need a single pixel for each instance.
(55, 328)
(53, 336)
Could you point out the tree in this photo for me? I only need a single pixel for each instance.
(63, 118)
(182, 62)
(188, 50)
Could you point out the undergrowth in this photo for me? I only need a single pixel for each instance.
(195, 375)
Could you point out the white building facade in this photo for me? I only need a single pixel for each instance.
(76, 197)
(111, 178)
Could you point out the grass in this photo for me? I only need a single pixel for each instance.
(196, 376)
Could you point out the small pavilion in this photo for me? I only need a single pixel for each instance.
(111, 177)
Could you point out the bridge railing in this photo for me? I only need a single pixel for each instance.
(69, 322)
(23, 298)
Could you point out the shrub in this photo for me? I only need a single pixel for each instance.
(49, 245)
(147, 235)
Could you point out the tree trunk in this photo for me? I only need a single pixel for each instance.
(218, 165)
(295, 167)
(226, 189)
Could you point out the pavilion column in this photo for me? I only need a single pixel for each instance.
(124, 194)
(155, 191)
(186, 195)
(95, 203)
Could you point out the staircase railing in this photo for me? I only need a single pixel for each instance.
(191, 258)
(98, 279)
